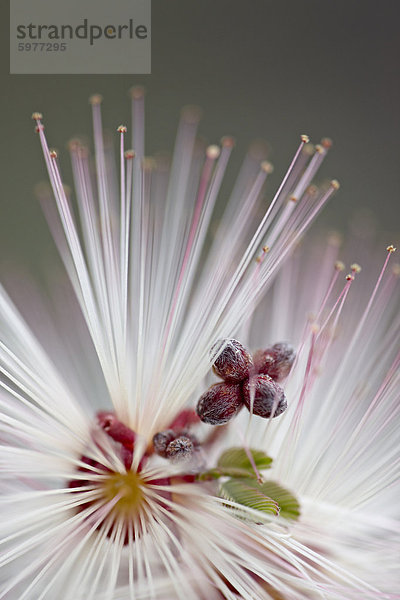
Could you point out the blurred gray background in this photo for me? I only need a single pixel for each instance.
(259, 68)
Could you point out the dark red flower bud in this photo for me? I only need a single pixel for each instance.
(263, 361)
(234, 364)
(115, 429)
(275, 361)
(220, 403)
(179, 449)
(161, 441)
(189, 434)
(269, 398)
(185, 418)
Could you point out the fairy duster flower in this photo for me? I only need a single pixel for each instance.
(157, 441)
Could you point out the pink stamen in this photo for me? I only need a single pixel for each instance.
(122, 130)
(307, 374)
(204, 181)
(390, 251)
(342, 296)
(328, 293)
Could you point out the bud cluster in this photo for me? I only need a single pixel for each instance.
(177, 442)
(174, 445)
(252, 381)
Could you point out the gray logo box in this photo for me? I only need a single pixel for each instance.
(80, 36)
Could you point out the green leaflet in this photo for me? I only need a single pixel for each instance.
(243, 491)
(218, 472)
(264, 496)
(237, 458)
(289, 505)
(234, 462)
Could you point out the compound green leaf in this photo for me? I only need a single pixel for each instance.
(238, 458)
(288, 504)
(249, 493)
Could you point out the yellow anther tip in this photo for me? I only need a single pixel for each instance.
(228, 141)
(213, 151)
(339, 265)
(137, 92)
(267, 167)
(355, 268)
(95, 99)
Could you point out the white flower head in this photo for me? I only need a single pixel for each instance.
(132, 470)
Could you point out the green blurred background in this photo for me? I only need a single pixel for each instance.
(259, 68)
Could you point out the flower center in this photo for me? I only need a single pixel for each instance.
(128, 487)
